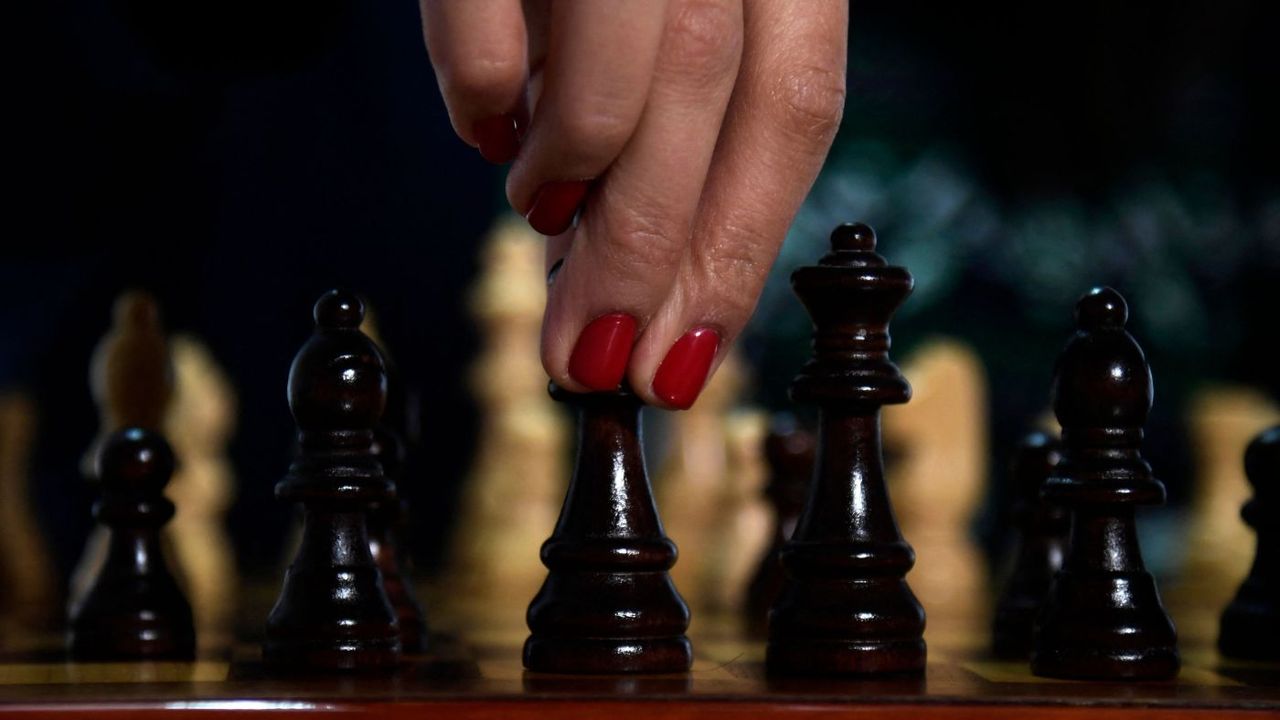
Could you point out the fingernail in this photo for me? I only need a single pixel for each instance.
(600, 358)
(683, 371)
(555, 205)
(497, 139)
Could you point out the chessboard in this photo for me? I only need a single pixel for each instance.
(480, 675)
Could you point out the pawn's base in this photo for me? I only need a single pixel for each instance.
(813, 657)
(608, 655)
(1160, 663)
(364, 656)
(1250, 626)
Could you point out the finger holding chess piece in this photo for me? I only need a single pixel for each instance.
(1251, 623)
(333, 613)
(1103, 618)
(134, 609)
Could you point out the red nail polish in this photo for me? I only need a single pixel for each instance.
(684, 370)
(599, 360)
(555, 205)
(497, 139)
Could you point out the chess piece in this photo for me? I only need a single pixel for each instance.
(608, 604)
(744, 524)
(131, 380)
(692, 480)
(845, 608)
(333, 613)
(788, 450)
(199, 424)
(1041, 544)
(516, 484)
(387, 520)
(1222, 420)
(942, 433)
(27, 581)
(1103, 617)
(134, 609)
(1251, 623)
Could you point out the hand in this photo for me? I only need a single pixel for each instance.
(683, 134)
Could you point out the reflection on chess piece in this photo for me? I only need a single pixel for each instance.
(512, 496)
(199, 425)
(939, 481)
(1042, 543)
(333, 613)
(608, 604)
(1103, 617)
(1251, 623)
(131, 379)
(26, 570)
(1222, 421)
(134, 609)
(845, 608)
(743, 524)
(693, 480)
(789, 450)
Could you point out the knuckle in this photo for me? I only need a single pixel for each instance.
(595, 130)
(482, 77)
(735, 266)
(704, 39)
(642, 245)
(811, 100)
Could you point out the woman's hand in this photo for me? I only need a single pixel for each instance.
(683, 134)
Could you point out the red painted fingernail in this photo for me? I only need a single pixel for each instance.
(600, 357)
(683, 371)
(497, 139)
(555, 205)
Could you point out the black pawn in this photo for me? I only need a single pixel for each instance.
(1103, 618)
(608, 604)
(788, 450)
(1042, 543)
(1251, 623)
(134, 609)
(846, 608)
(387, 521)
(333, 613)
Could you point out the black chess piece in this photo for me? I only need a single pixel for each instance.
(788, 451)
(845, 608)
(1251, 623)
(333, 613)
(608, 604)
(1041, 545)
(387, 521)
(1103, 618)
(134, 609)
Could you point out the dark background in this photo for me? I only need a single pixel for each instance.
(239, 157)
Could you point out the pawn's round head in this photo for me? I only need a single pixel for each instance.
(1100, 308)
(135, 461)
(1037, 456)
(339, 310)
(853, 237)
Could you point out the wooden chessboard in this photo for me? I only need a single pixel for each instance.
(480, 676)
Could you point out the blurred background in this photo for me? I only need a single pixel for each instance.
(236, 159)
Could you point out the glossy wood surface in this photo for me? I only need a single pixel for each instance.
(845, 607)
(608, 604)
(333, 613)
(1103, 617)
